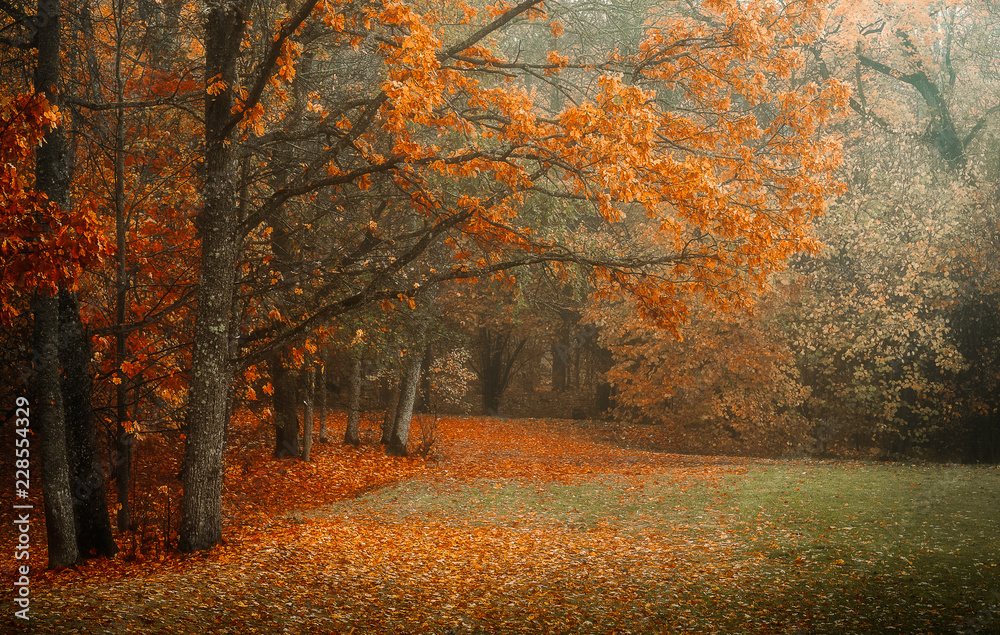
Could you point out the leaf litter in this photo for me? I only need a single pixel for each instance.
(526, 526)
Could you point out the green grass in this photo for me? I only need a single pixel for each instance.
(806, 547)
(880, 548)
(755, 548)
(632, 504)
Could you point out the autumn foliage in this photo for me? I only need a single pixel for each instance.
(42, 247)
(537, 526)
(729, 385)
(274, 211)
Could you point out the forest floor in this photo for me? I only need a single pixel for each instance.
(543, 526)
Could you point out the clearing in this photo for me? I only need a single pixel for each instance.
(538, 526)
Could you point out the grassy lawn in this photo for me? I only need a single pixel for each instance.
(876, 548)
(529, 529)
(783, 547)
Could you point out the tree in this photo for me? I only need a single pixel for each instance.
(309, 391)
(286, 408)
(921, 71)
(218, 231)
(90, 505)
(433, 149)
(410, 381)
(352, 432)
(450, 377)
(872, 331)
(321, 391)
(128, 158)
(498, 354)
(730, 385)
(882, 335)
(40, 258)
(976, 334)
(52, 180)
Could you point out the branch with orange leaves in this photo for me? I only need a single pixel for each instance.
(265, 68)
(644, 276)
(501, 21)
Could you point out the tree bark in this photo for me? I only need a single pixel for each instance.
(404, 412)
(52, 178)
(389, 416)
(217, 226)
(60, 523)
(124, 441)
(123, 438)
(605, 392)
(163, 23)
(498, 355)
(307, 415)
(87, 477)
(425, 381)
(286, 409)
(560, 357)
(321, 401)
(352, 435)
(945, 135)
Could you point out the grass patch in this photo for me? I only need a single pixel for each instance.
(558, 534)
(785, 547)
(877, 548)
(631, 504)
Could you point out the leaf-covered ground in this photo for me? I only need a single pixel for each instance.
(535, 526)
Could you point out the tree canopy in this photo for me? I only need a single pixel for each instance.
(228, 200)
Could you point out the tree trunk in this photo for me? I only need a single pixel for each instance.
(123, 438)
(286, 409)
(217, 225)
(90, 504)
(498, 355)
(307, 415)
(60, 524)
(352, 435)
(560, 358)
(604, 360)
(425, 380)
(404, 411)
(389, 416)
(576, 369)
(162, 20)
(52, 178)
(123, 471)
(321, 401)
